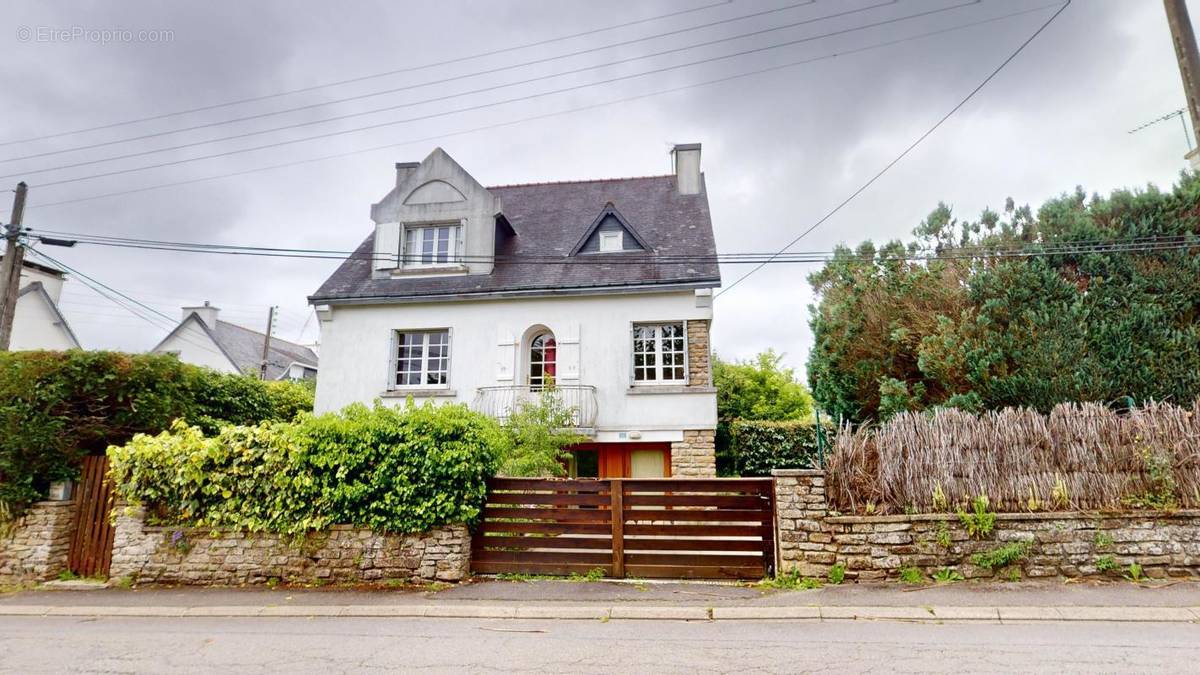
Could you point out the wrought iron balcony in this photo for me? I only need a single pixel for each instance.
(500, 402)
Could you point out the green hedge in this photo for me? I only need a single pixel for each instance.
(390, 470)
(761, 446)
(58, 406)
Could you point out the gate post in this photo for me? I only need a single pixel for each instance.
(616, 491)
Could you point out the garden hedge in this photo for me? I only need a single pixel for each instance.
(56, 407)
(761, 446)
(389, 470)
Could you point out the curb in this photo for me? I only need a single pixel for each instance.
(634, 612)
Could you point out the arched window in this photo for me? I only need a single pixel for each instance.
(543, 358)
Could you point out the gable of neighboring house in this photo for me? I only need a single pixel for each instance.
(204, 340)
(38, 322)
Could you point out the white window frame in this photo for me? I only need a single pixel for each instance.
(415, 234)
(394, 360)
(658, 367)
(616, 239)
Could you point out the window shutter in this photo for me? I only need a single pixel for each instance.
(506, 354)
(460, 241)
(687, 354)
(393, 347)
(387, 246)
(569, 350)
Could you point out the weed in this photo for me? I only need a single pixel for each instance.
(272, 582)
(790, 582)
(1013, 574)
(1034, 503)
(1160, 493)
(1103, 540)
(1058, 494)
(943, 535)
(911, 575)
(1105, 564)
(67, 575)
(947, 575)
(940, 502)
(980, 522)
(1002, 556)
(1134, 573)
(123, 582)
(594, 574)
(837, 573)
(869, 508)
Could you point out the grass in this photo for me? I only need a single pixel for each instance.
(792, 581)
(594, 574)
(1002, 556)
(911, 575)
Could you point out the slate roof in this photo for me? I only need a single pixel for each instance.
(244, 347)
(549, 219)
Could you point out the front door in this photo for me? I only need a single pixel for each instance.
(620, 460)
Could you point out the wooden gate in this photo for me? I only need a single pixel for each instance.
(712, 528)
(92, 543)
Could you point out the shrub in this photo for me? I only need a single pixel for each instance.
(762, 446)
(58, 406)
(538, 433)
(389, 470)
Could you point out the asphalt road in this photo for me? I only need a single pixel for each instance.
(337, 645)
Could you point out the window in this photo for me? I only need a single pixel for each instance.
(659, 353)
(612, 241)
(543, 361)
(423, 358)
(432, 245)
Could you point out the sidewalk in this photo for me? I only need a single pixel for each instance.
(490, 599)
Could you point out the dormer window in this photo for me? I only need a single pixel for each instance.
(612, 241)
(432, 245)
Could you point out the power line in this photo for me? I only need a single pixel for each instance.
(907, 150)
(558, 113)
(434, 115)
(455, 78)
(363, 78)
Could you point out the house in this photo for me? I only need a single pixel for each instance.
(203, 339)
(599, 291)
(38, 323)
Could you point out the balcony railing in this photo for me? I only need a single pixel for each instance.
(500, 402)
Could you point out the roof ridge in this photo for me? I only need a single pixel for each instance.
(586, 180)
(274, 337)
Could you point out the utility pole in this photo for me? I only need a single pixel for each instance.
(1184, 39)
(262, 369)
(10, 270)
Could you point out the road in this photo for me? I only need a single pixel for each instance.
(338, 645)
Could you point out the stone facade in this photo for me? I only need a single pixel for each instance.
(699, 366)
(36, 548)
(696, 455)
(1062, 544)
(340, 554)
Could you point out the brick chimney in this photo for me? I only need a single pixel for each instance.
(206, 312)
(686, 160)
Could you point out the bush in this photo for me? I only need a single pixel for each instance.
(538, 432)
(390, 470)
(763, 446)
(56, 407)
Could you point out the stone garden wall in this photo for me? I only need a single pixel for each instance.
(36, 546)
(1057, 544)
(340, 555)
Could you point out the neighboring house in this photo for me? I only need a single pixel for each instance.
(204, 340)
(37, 322)
(489, 295)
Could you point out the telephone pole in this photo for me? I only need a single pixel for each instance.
(10, 270)
(1184, 39)
(262, 369)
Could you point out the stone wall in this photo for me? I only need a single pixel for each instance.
(699, 366)
(1062, 544)
(341, 554)
(696, 455)
(36, 548)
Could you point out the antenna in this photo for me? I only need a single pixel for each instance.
(1164, 118)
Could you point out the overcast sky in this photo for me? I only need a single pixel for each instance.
(780, 148)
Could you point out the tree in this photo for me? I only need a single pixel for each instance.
(758, 389)
(966, 328)
(538, 432)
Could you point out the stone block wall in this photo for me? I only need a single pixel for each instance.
(699, 366)
(696, 455)
(341, 554)
(1058, 544)
(38, 543)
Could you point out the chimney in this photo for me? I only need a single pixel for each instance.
(206, 312)
(404, 170)
(686, 158)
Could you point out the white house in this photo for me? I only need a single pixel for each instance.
(599, 290)
(37, 321)
(203, 339)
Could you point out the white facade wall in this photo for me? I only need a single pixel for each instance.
(35, 326)
(193, 345)
(489, 345)
(53, 283)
